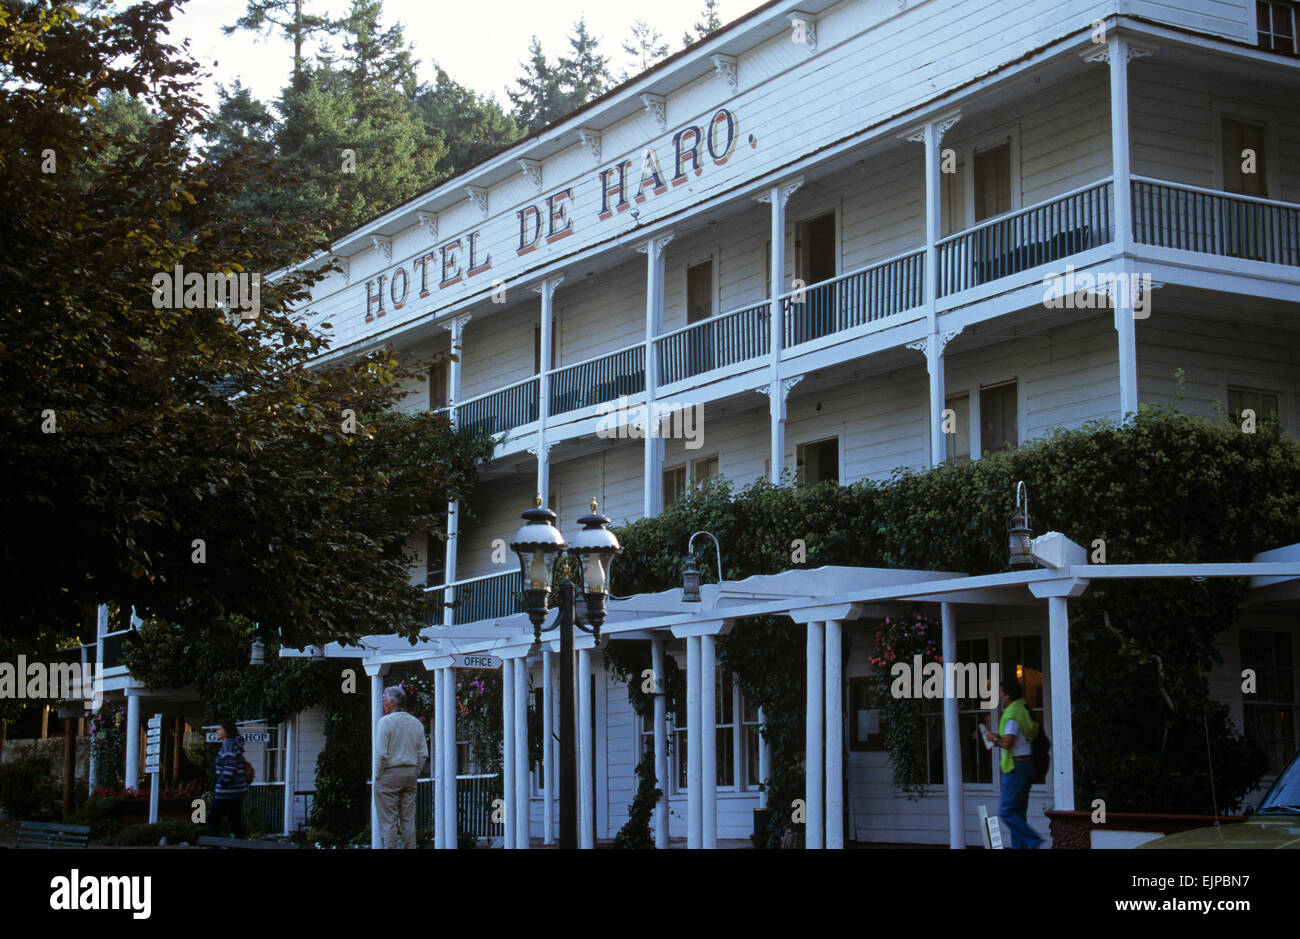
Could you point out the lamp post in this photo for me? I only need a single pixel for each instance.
(539, 546)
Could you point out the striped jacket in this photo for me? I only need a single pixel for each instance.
(231, 783)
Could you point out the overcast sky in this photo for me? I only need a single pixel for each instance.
(480, 44)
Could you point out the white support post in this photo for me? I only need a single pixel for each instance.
(548, 753)
(933, 135)
(834, 735)
(508, 740)
(547, 290)
(938, 400)
(522, 797)
(290, 774)
(436, 760)
(1062, 722)
(660, 741)
(764, 759)
(694, 821)
(132, 774)
(457, 329)
(652, 494)
(815, 816)
(449, 819)
(951, 730)
(376, 695)
(586, 783)
(708, 743)
(776, 391)
(1121, 168)
(555, 749)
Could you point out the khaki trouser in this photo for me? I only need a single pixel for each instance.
(394, 796)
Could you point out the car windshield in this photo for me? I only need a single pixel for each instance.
(1284, 797)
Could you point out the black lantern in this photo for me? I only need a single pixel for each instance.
(691, 581)
(1019, 536)
(594, 547)
(537, 545)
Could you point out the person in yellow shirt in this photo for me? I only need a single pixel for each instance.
(400, 750)
(1015, 735)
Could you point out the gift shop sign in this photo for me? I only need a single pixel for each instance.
(617, 189)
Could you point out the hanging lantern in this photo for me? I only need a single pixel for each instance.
(691, 581)
(1020, 537)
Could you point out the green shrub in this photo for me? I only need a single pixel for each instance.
(97, 814)
(144, 836)
(27, 788)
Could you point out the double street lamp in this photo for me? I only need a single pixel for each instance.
(539, 546)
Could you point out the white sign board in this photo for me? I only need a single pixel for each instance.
(155, 722)
(476, 660)
(250, 736)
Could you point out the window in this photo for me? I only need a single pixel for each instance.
(958, 442)
(814, 249)
(728, 702)
(749, 726)
(952, 199)
(992, 181)
(725, 716)
(866, 716)
(1269, 713)
(676, 478)
(438, 386)
(998, 426)
(819, 461)
(767, 268)
(1276, 25)
(699, 291)
(1022, 656)
(271, 761)
(1239, 137)
(972, 719)
(1263, 403)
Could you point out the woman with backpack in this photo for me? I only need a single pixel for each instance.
(232, 772)
(1016, 731)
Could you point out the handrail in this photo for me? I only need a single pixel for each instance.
(494, 391)
(965, 232)
(809, 288)
(1220, 193)
(469, 580)
(765, 301)
(595, 358)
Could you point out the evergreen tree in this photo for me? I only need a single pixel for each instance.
(288, 17)
(646, 46)
(584, 75)
(538, 97)
(709, 22)
(473, 126)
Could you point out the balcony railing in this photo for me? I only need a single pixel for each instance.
(1188, 218)
(500, 411)
(111, 649)
(852, 299)
(474, 795)
(1026, 238)
(714, 343)
(476, 598)
(598, 380)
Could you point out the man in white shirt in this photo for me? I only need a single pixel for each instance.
(400, 750)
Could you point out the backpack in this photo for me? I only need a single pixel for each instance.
(249, 773)
(1041, 750)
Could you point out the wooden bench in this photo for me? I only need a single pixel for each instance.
(51, 835)
(209, 841)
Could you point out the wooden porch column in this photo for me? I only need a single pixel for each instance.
(289, 729)
(834, 735)
(508, 741)
(694, 822)
(660, 741)
(547, 290)
(376, 711)
(523, 798)
(586, 783)
(708, 744)
(776, 390)
(69, 763)
(652, 492)
(450, 817)
(1062, 721)
(951, 739)
(457, 329)
(814, 792)
(1117, 55)
(436, 760)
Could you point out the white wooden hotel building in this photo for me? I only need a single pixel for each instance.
(910, 172)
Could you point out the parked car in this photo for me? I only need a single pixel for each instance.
(1275, 824)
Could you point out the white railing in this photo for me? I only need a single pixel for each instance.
(869, 293)
(1227, 224)
(474, 598)
(716, 342)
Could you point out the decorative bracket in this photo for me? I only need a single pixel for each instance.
(384, 245)
(788, 189)
(532, 170)
(429, 223)
(590, 142)
(547, 287)
(657, 107)
(655, 246)
(786, 385)
(941, 126)
(479, 196)
(1102, 53)
(724, 66)
(809, 21)
(936, 341)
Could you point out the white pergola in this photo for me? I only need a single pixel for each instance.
(822, 600)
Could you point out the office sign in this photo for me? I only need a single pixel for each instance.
(476, 660)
